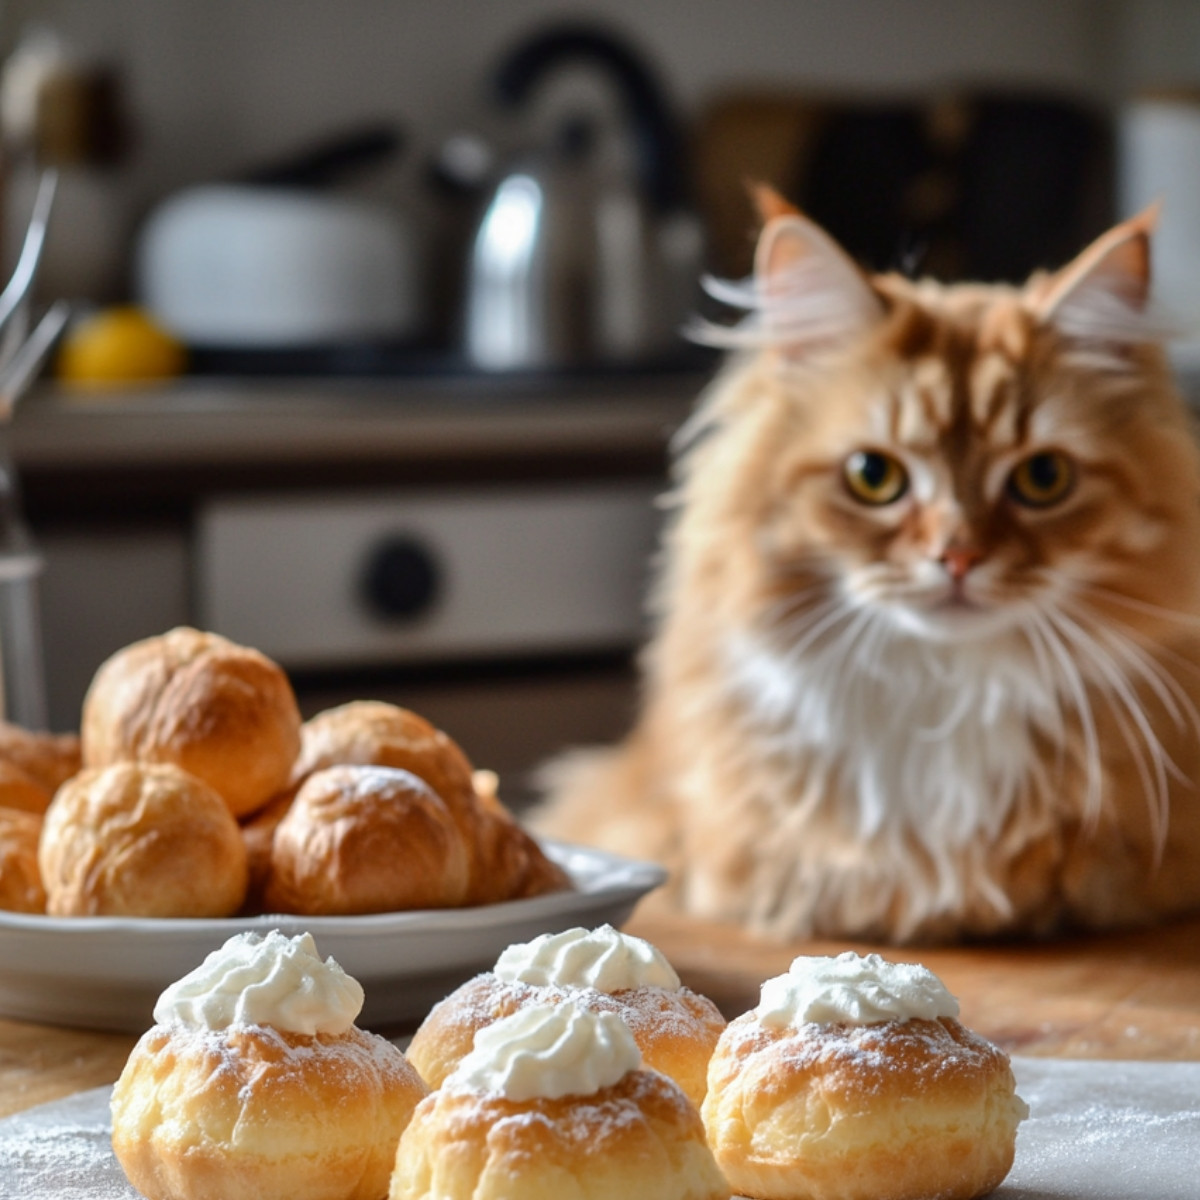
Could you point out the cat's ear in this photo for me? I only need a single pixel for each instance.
(810, 292)
(1104, 295)
(769, 203)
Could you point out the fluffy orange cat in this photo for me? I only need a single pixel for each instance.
(927, 661)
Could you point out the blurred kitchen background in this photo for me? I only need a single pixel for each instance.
(375, 351)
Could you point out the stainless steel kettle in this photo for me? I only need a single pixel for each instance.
(577, 261)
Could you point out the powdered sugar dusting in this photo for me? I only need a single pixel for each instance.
(241, 1049)
(648, 1011)
(1096, 1131)
(62, 1151)
(586, 1121)
(1107, 1131)
(868, 1051)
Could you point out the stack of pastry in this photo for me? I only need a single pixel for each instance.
(181, 735)
(553, 1101)
(202, 794)
(600, 970)
(370, 780)
(32, 767)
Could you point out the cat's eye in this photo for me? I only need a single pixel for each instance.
(1042, 479)
(874, 477)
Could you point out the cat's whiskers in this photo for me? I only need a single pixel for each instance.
(1039, 627)
(1174, 699)
(813, 625)
(1164, 651)
(943, 729)
(797, 602)
(1130, 644)
(1150, 758)
(868, 650)
(1049, 679)
(1131, 602)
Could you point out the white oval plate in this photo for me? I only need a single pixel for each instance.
(107, 972)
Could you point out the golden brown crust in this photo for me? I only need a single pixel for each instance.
(361, 839)
(676, 1031)
(258, 834)
(19, 791)
(506, 863)
(223, 712)
(374, 733)
(251, 1112)
(894, 1111)
(639, 1137)
(48, 759)
(21, 887)
(141, 839)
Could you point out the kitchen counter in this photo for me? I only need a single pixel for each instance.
(119, 487)
(1123, 996)
(261, 430)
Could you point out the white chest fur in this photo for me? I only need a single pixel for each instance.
(929, 740)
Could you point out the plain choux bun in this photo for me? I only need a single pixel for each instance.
(19, 791)
(361, 839)
(899, 1110)
(223, 712)
(506, 863)
(21, 887)
(141, 840)
(258, 835)
(639, 1137)
(252, 1113)
(34, 765)
(375, 733)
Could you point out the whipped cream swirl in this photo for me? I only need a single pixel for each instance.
(602, 958)
(853, 990)
(275, 981)
(548, 1051)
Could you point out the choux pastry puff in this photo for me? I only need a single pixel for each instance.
(223, 712)
(602, 970)
(853, 1080)
(553, 1102)
(255, 1083)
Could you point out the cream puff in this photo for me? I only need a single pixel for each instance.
(854, 1080)
(141, 840)
(552, 1101)
(223, 712)
(361, 839)
(21, 887)
(255, 1083)
(20, 791)
(47, 759)
(506, 862)
(375, 733)
(602, 970)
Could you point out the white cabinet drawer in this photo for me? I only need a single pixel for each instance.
(337, 580)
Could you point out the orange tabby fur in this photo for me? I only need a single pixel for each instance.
(953, 713)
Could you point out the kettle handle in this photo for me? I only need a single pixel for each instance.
(655, 138)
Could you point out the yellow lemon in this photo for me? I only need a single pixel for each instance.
(118, 345)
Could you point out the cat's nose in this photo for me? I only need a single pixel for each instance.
(958, 559)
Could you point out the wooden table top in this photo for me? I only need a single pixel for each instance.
(1124, 996)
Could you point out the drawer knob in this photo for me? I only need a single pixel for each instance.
(401, 578)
